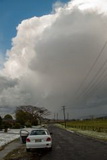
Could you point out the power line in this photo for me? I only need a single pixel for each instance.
(96, 85)
(96, 76)
(90, 70)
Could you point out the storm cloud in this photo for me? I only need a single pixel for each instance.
(60, 59)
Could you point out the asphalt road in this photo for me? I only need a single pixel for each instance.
(71, 146)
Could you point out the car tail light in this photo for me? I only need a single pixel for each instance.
(48, 139)
(27, 140)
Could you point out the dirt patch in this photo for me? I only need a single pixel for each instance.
(1, 148)
(18, 154)
(21, 154)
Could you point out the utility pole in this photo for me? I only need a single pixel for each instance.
(54, 116)
(57, 117)
(63, 107)
(68, 116)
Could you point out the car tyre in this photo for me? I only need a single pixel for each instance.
(27, 150)
(50, 149)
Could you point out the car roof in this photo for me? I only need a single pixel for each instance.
(39, 129)
(34, 128)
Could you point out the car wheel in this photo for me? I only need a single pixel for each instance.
(27, 149)
(50, 149)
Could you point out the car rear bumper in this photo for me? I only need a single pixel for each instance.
(39, 145)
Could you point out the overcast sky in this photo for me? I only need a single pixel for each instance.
(58, 58)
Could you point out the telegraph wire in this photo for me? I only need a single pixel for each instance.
(97, 84)
(90, 70)
(95, 77)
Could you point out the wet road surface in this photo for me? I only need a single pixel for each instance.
(71, 146)
(67, 146)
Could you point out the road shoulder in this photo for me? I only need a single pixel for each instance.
(9, 147)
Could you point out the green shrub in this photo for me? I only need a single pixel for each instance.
(16, 125)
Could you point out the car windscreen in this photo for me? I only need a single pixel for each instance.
(38, 132)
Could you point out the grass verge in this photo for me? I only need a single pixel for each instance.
(2, 147)
(97, 135)
(18, 154)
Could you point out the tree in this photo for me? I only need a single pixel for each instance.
(30, 114)
(0, 120)
(21, 116)
(0, 123)
(7, 122)
(16, 126)
(8, 117)
(28, 124)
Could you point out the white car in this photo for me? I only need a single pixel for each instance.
(39, 138)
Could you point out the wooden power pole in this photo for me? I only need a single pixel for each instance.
(63, 107)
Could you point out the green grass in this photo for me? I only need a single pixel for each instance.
(99, 125)
(96, 128)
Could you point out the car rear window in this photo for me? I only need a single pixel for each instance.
(38, 132)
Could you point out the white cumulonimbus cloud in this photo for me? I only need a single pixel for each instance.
(59, 59)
